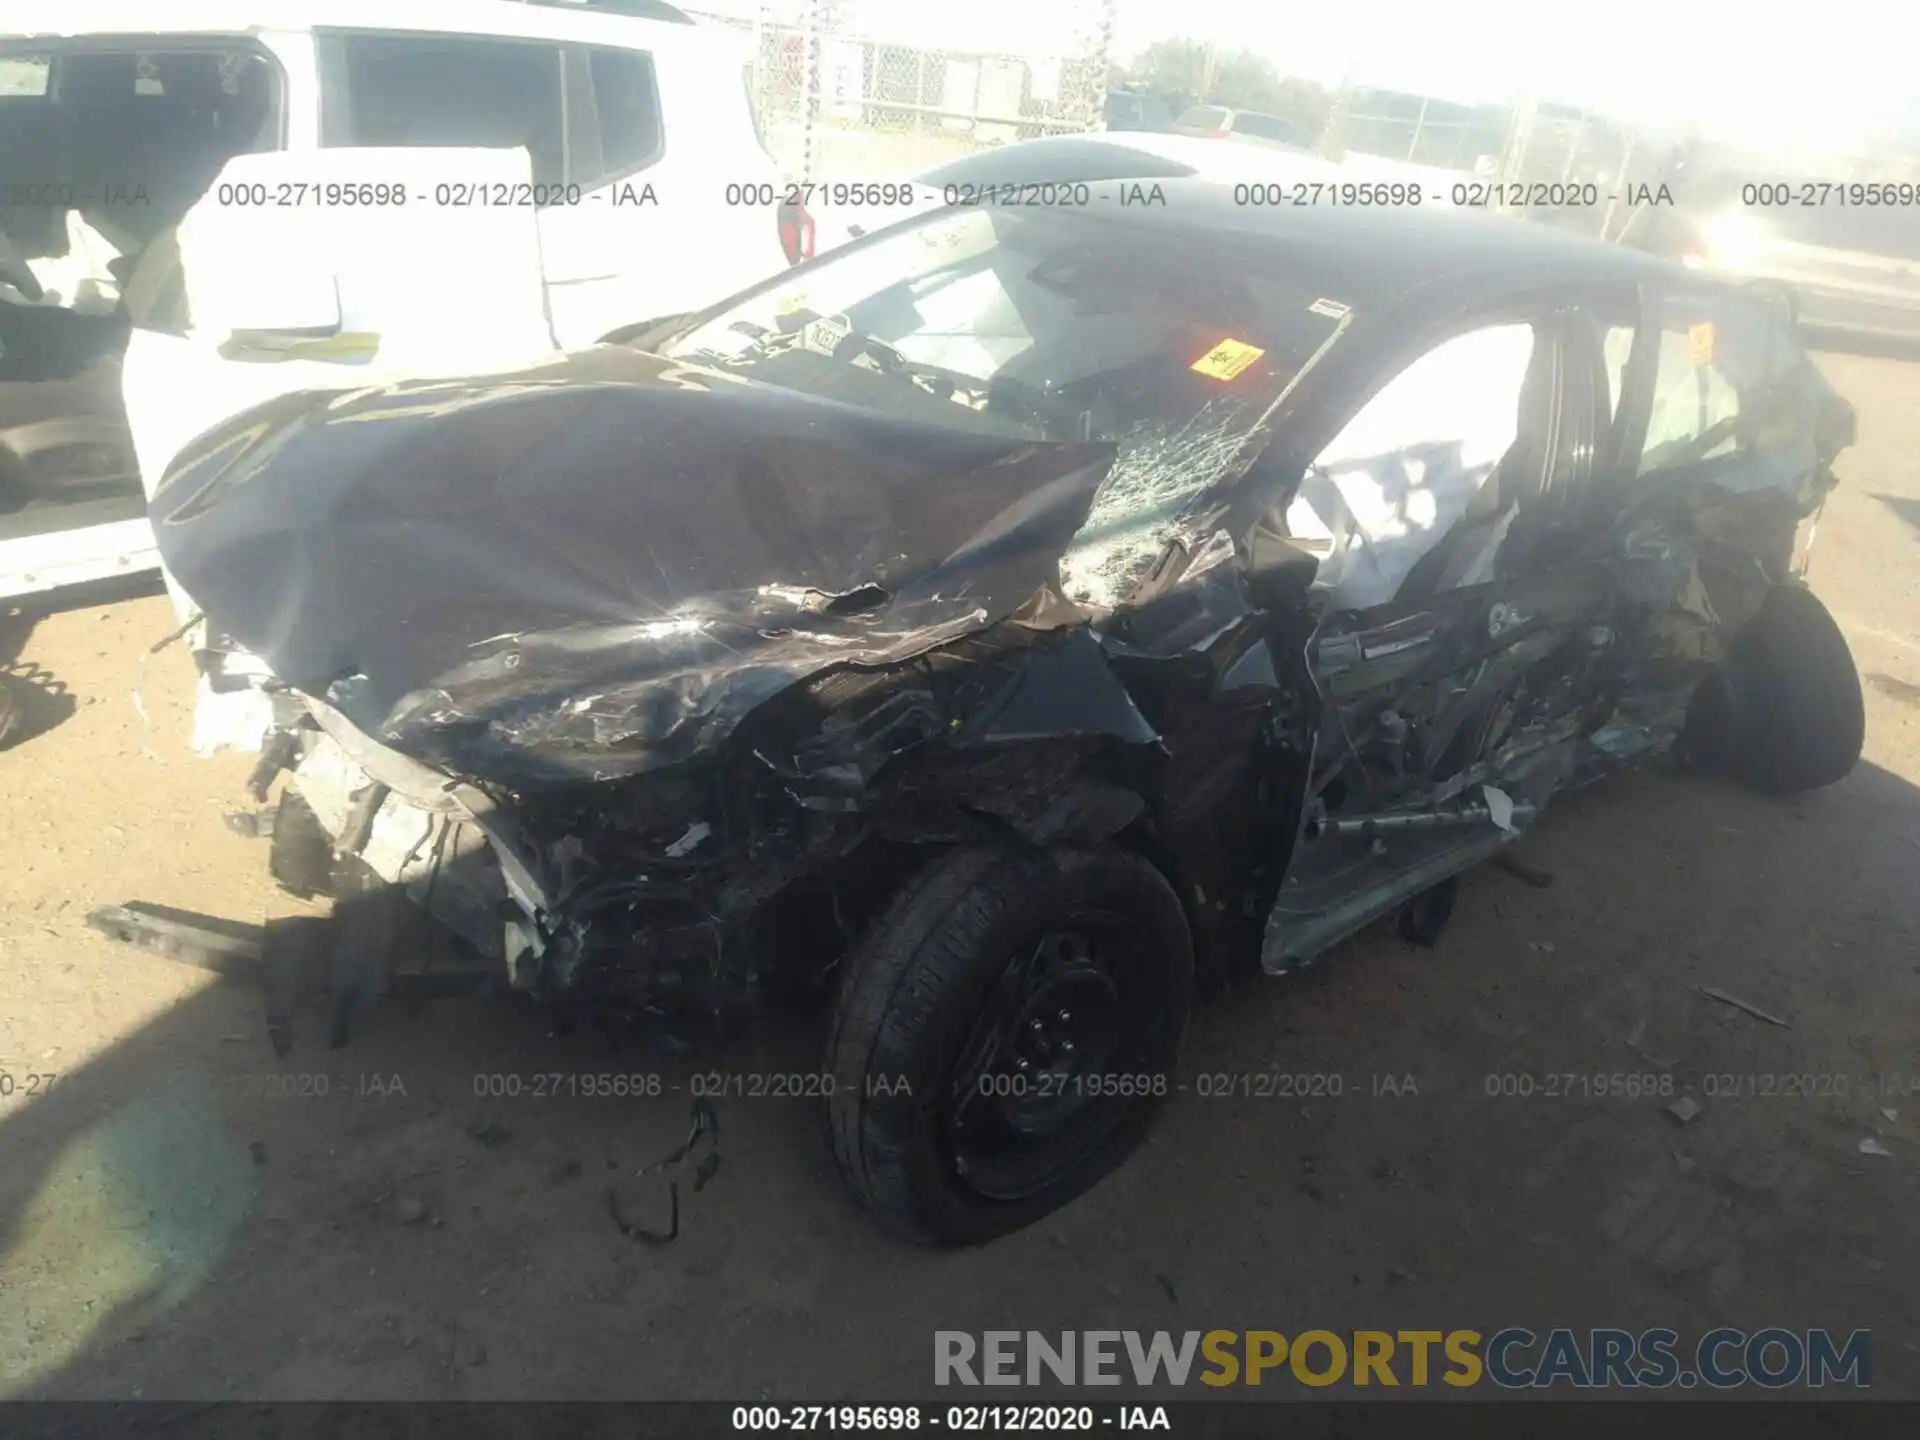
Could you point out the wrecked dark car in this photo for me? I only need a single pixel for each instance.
(1014, 621)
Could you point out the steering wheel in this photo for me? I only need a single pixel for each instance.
(15, 270)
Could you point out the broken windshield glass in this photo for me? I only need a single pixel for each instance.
(1046, 325)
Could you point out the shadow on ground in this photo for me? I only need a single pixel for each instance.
(34, 700)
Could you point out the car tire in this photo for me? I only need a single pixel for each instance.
(1784, 713)
(969, 947)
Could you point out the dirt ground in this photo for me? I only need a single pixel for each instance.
(183, 1217)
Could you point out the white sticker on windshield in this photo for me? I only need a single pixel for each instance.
(1332, 309)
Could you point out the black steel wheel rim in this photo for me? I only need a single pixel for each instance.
(1050, 1065)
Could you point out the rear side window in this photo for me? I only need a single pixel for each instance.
(1730, 383)
(23, 75)
(1204, 117)
(431, 90)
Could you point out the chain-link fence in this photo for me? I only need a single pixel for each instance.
(852, 91)
(1416, 129)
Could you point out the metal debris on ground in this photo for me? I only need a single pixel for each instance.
(490, 1133)
(1737, 1003)
(1686, 1109)
(204, 941)
(706, 1126)
(1871, 1146)
(254, 824)
(1633, 1043)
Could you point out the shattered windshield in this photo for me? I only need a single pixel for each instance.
(1047, 325)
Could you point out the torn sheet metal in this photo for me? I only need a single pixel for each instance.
(597, 569)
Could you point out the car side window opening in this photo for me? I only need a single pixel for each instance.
(134, 137)
(626, 105)
(1725, 388)
(1413, 462)
(428, 90)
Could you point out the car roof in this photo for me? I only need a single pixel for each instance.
(544, 19)
(1384, 250)
(1129, 154)
(1401, 244)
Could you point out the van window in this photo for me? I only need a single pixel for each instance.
(432, 90)
(627, 103)
(23, 75)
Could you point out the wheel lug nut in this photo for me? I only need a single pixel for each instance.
(1066, 1047)
(1024, 1064)
(1062, 1017)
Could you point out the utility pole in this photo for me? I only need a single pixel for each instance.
(1206, 71)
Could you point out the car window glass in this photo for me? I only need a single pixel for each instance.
(1725, 386)
(1204, 117)
(23, 75)
(1409, 464)
(1050, 325)
(446, 91)
(627, 104)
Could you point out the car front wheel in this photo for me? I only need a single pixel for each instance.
(1004, 1035)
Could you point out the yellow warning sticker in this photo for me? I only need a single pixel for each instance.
(1227, 359)
(1700, 344)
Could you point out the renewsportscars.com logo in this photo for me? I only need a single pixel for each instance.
(1515, 1358)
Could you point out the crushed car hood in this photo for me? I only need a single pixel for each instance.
(598, 565)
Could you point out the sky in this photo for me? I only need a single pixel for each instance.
(1813, 72)
(1773, 71)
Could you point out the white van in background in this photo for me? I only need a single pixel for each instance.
(546, 174)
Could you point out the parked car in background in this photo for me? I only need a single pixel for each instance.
(600, 139)
(1134, 110)
(1012, 619)
(1217, 123)
(1847, 252)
